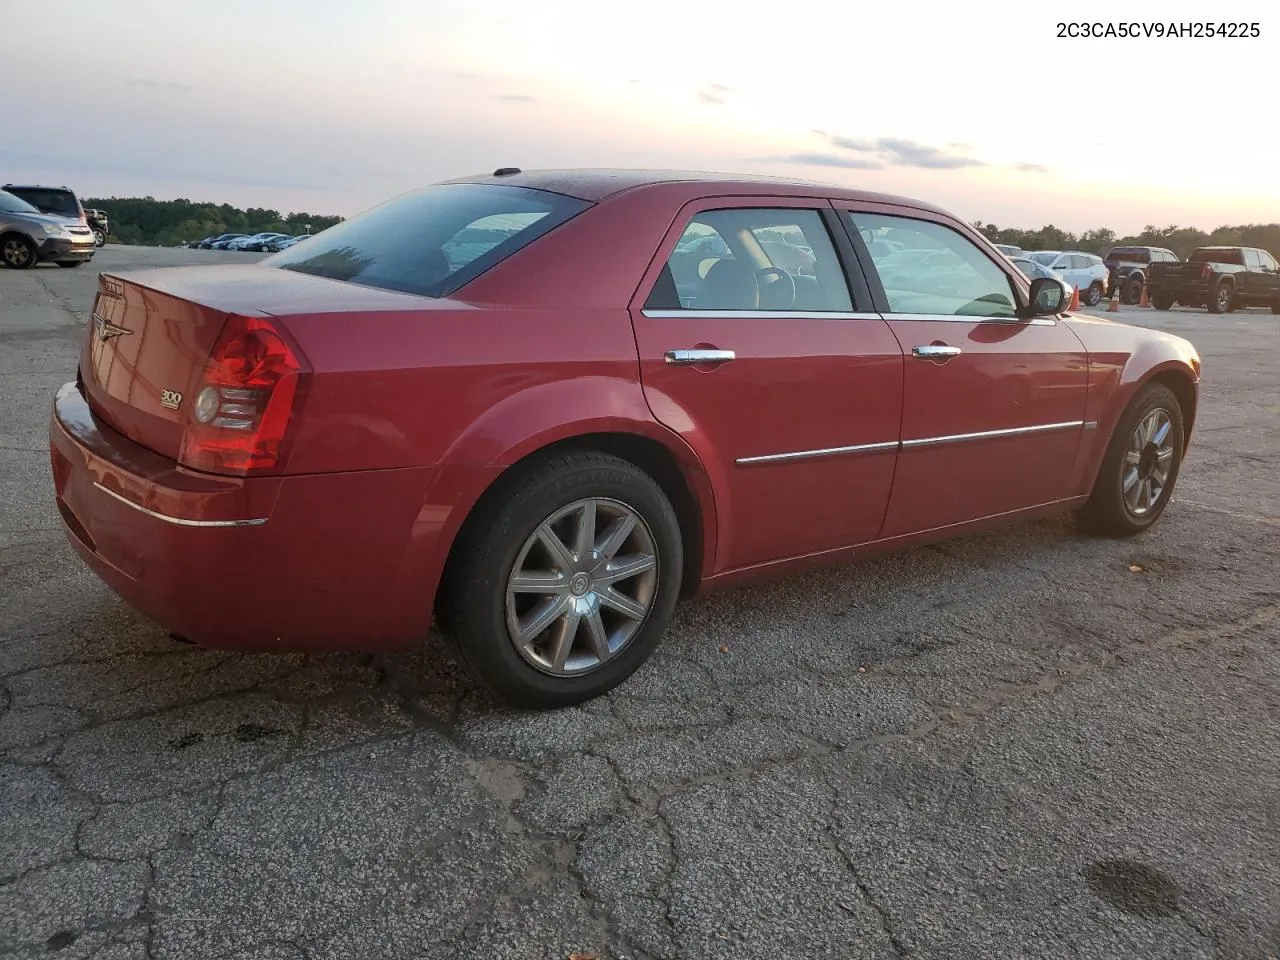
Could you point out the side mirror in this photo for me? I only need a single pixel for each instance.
(1049, 296)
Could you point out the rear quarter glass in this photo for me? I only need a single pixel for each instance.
(432, 241)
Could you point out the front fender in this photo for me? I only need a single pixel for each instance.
(1121, 360)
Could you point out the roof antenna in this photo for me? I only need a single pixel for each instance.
(506, 171)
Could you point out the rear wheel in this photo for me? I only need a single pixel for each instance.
(99, 238)
(565, 581)
(1220, 298)
(17, 253)
(70, 263)
(1133, 291)
(1093, 296)
(1161, 301)
(1140, 466)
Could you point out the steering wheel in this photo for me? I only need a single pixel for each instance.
(781, 274)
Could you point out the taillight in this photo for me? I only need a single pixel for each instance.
(245, 400)
(1206, 271)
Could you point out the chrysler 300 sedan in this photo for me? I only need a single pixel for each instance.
(541, 407)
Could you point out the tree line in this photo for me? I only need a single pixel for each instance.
(1181, 240)
(167, 223)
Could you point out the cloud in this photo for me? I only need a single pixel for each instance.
(716, 93)
(1029, 167)
(907, 153)
(158, 84)
(825, 160)
(515, 97)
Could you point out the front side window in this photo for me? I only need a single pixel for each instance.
(1251, 260)
(11, 204)
(433, 241)
(1268, 261)
(940, 273)
(752, 259)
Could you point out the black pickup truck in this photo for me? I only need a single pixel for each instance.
(1127, 269)
(1219, 278)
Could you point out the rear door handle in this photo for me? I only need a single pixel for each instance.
(934, 351)
(688, 357)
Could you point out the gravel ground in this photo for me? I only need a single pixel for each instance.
(1029, 744)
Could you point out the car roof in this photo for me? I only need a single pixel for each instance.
(595, 185)
(33, 186)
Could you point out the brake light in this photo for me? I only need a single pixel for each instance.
(1206, 272)
(246, 398)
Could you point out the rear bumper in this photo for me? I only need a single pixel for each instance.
(58, 249)
(345, 561)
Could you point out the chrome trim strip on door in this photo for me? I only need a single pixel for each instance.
(949, 318)
(1091, 424)
(178, 520)
(990, 434)
(757, 315)
(824, 452)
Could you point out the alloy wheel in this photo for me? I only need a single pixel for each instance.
(581, 586)
(1148, 462)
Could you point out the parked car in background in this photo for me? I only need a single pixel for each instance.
(1084, 271)
(28, 236)
(208, 242)
(1218, 278)
(1009, 250)
(284, 243)
(225, 241)
(1127, 268)
(1031, 270)
(256, 243)
(606, 433)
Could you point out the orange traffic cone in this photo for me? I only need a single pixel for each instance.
(1114, 304)
(1143, 301)
(1075, 300)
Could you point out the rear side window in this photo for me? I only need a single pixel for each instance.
(432, 241)
(11, 204)
(60, 203)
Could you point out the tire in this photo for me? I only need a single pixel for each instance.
(1110, 511)
(71, 263)
(1161, 301)
(1220, 298)
(17, 252)
(503, 537)
(1093, 296)
(1132, 291)
(99, 238)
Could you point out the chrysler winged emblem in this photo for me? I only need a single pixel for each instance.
(107, 329)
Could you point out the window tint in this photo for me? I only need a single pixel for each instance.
(1251, 259)
(943, 274)
(1268, 261)
(432, 241)
(11, 204)
(753, 259)
(1211, 255)
(60, 203)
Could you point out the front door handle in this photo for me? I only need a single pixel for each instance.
(688, 357)
(935, 351)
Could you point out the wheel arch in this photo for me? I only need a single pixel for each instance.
(35, 246)
(680, 477)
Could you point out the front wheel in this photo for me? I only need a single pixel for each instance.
(1161, 301)
(1133, 292)
(565, 580)
(1093, 296)
(99, 238)
(1140, 466)
(17, 253)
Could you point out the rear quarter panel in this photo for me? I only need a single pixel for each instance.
(1121, 359)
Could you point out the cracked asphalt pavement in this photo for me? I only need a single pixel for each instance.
(1028, 744)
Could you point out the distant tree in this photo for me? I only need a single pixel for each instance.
(145, 220)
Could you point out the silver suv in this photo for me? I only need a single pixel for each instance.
(28, 236)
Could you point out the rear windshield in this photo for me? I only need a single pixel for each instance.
(1130, 255)
(61, 203)
(1217, 256)
(1044, 259)
(432, 241)
(11, 204)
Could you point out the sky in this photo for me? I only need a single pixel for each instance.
(332, 107)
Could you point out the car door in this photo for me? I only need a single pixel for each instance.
(783, 379)
(994, 406)
(1270, 277)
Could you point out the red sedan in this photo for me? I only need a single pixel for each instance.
(544, 406)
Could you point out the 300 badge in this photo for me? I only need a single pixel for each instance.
(171, 399)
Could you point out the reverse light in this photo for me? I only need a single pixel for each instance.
(246, 399)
